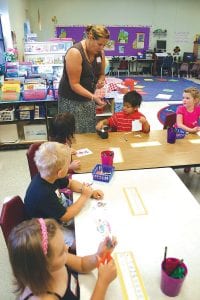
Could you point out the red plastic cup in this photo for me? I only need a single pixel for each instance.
(107, 157)
(171, 286)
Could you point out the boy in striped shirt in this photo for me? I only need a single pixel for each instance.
(122, 121)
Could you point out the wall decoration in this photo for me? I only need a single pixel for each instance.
(131, 38)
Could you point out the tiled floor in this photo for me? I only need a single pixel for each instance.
(15, 178)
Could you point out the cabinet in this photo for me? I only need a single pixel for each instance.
(24, 122)
(46, 57)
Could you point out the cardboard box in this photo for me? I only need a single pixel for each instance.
(8, 133)
(35, 132)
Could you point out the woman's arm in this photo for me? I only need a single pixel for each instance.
(101, 79)
(73, 62)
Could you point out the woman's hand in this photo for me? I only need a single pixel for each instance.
(99, 101)
(97, 194)
(100, 84)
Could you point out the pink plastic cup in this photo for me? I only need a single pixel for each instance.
(171, 286)
(107, 157)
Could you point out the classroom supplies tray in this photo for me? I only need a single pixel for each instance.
(102, 173)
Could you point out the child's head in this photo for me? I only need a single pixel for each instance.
(32, 245)
(51, 157)
(191, 94)
(62, 128)
(131, 101)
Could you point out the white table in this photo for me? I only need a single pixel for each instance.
(172, 219)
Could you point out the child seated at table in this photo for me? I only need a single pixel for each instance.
(188, 114)
(122, 121)
(43, 267)
(41, 201)
(62, 130)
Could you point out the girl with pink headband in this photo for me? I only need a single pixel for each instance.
(40, 262)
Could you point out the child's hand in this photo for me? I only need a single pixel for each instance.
(73, 151)
(107, 272)
(99, 125)
(75, 164)
(86, 190)
(108, 245)
(142, 120)
(97, 194)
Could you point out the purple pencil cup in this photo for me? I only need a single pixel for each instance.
(171, 286)
(171, 135)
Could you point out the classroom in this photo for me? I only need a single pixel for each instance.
(153, 49)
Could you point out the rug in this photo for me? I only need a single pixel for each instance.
(162, 89)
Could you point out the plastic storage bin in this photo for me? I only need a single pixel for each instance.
(102, 173)
(25, 112)
(7, 114)
(39, 94)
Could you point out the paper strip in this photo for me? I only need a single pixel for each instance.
(118, 157)
(145, 144)
(135, 201)
(130, 279)
(195, 141)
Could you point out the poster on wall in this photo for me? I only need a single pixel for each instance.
(124, 40)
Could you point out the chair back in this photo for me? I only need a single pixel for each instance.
(123, 65)
(168, 61)
(30, 157)
(12, 213)
(170, 120)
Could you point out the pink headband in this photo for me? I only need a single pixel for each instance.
(43, 228)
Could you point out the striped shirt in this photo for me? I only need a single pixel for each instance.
(123, 122)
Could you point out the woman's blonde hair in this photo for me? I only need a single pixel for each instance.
(29, 263)
(51, 157)
(97, 31)
(195, 93)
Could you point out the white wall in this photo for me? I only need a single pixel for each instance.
(17, 12)
(179, 17)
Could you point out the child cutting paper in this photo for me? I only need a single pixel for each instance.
(42, 200)
(188, 114)
(124, 120)
(42, 265)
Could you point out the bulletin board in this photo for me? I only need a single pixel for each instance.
(124, 40)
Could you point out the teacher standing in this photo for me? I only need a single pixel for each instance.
(83, 72)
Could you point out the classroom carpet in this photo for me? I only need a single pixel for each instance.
(162, 89)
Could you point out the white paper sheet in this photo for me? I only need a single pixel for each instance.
(145, 144)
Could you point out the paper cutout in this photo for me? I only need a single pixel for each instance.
(136, 125)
